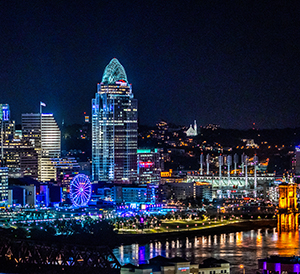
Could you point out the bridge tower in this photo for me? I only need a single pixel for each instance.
(287, 218)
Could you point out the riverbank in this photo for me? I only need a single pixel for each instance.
(214, 230)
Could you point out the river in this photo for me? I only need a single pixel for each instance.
(237, 248)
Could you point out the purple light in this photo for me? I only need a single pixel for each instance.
(80, 190)
(146, 164)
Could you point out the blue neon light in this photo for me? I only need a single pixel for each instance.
(5, 113)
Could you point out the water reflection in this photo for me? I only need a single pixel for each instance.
(287, 243)
(238, 248)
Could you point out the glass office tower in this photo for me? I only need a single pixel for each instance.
(114, 128)
(42, 131)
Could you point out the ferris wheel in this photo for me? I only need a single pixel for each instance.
(80, 190)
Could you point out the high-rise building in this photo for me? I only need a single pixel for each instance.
(296, 161)
(7, 127)
(66, 170)
(4, 112)
(114, 128)
(20, 158)
(3, 183)
(149, 166)
(42, 131)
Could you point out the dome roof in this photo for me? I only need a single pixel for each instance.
(113, 72)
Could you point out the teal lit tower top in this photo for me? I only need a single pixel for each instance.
(113, 72)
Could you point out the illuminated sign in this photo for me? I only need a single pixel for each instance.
(144, 151)
(121, 82)
(86, 119)
(5, 113)
(183, 269)
(297, 148)
(165, 174)
(146, 164)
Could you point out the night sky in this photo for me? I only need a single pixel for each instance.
(226, 62)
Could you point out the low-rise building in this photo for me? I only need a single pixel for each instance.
(160, 265)
(278, 264)
(214, 266)
(138, 194)
(182, 191)
(22, 195)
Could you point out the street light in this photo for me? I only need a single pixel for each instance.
(242, 267)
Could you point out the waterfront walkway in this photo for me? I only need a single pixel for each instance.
(184, 226)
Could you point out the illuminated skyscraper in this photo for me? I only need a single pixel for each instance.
(42, 131)
(7, 127)
(3, 184)
(150, 165)
(114, 128)
(4, 112)
(20, 158)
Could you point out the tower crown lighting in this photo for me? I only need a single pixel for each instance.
(114, 72)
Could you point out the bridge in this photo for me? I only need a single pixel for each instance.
(287, 217)
(24, 256)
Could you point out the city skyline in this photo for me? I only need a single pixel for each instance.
(227, 63)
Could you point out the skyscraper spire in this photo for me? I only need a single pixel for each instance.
(113, 72)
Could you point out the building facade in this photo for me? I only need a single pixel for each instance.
(3, 184)
(20, 158)
(277, 264)
(42, 131)
(149, 166)
(4, 112)
(176, 265)
(7, 127)
(134, 194)
(114, 128)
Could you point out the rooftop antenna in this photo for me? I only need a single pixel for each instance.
(255, 160)
(201, 163)
(41, 112)
(220, 166)
(246, 170)
(236, 160)
(207, 164)
(229, 163)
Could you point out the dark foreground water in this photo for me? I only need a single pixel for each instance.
(237, 248)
